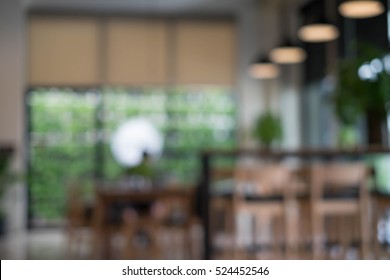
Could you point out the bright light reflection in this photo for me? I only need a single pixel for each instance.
(134, 138)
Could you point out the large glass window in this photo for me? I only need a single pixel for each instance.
(70, 132)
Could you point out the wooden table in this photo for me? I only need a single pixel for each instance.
(107, 196)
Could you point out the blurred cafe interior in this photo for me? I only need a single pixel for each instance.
(194, 129)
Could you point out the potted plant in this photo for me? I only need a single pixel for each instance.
(268, 129)
(360, 92)
(5, 180)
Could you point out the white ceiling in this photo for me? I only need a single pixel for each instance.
(149, 6)
(142, 6)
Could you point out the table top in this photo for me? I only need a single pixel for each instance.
(112, 192)
(302, 153)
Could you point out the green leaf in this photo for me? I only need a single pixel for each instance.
(268, 129)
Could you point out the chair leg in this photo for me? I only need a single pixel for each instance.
(277, 234)
(317, 235)
(291, 220)
(376, 217)
(70, 238)
(365, 233)
(346, 225)
(75, 240)
(234, 236)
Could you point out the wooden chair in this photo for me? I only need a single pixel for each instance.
(302, 174)
(165, 232)
(140, 235)
(339, 196)
(180, 236)
(222, 226)
(266, 193)
(380, 209)
(78, 224)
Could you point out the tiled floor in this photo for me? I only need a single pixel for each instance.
(36, 244)
(51, 244)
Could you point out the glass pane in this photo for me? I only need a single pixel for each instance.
(69, 128)
(121, 104)
(62, 141)
(190, 118)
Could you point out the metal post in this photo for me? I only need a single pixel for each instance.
(205, 207)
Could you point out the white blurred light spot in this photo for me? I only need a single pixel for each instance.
(386, 63)
(365, 72)
(132, 139)
(376, 65)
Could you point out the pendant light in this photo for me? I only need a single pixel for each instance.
(287, 53)
(318, 32)
(317, 29)
(358, 9)
(263, 68)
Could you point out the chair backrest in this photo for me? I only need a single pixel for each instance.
(262, 179)
(75, 205)
(338, 177)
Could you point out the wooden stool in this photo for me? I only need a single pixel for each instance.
(264, 195)
(339, 191)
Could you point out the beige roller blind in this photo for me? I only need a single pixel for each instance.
(205, 52)
(63, 51)
(137, 51)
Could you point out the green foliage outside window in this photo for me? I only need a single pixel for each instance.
(69, 129)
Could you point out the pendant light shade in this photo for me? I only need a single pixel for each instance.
(287, 53)
(263, 68)
(318, 32)
(361, 8)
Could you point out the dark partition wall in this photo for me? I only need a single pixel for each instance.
(319, 121)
